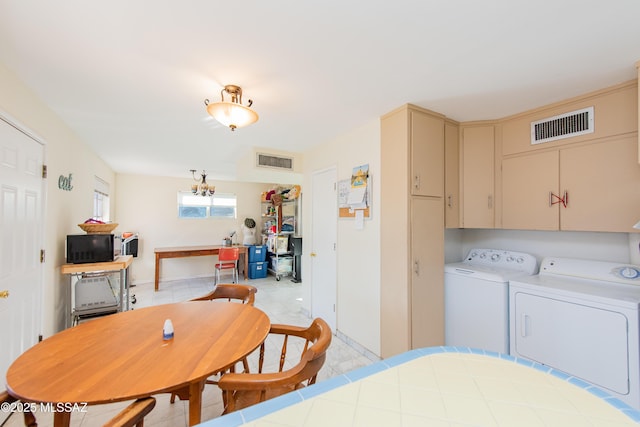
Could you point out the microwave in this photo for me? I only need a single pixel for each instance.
(86, 248)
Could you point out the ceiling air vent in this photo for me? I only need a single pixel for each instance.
(277, 162)
(566, 125)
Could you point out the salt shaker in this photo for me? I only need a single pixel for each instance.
(167, 330)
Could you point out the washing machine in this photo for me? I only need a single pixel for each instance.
(581, 317)
(476, 297)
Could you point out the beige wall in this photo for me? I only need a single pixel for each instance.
(65, 153)
(358, 251)
(148, 205)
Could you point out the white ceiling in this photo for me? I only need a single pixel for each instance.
(130, 77)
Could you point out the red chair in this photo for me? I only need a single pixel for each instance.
(227, 259)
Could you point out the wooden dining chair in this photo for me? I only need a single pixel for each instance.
(29, 418)
(240, 390)
(132, 415)
(233, 292)
(227, 260)
(245, 294)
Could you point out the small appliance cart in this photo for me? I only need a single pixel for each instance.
(93, 293)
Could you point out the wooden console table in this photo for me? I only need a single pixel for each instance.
(189, 251)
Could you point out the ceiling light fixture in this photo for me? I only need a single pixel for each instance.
(232, 113)
(202, 188)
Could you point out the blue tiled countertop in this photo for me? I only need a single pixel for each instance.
(442, 385)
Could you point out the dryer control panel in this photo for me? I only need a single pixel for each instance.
(602, 271)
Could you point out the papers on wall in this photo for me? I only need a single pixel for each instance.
(354, 194)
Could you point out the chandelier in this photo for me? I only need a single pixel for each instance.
(202, 188)
(232, 113)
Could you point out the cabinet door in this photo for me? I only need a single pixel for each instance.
(452, 175)
(527, 182)
(427, 277)
(478, 177)
(427, 155)
(602, 183)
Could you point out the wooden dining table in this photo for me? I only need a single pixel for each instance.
(123, 356)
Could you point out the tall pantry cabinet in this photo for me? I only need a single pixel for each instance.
(412, 229)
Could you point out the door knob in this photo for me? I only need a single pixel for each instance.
(312, 254)
(4, 294)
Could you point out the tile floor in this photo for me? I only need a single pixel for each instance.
(281, 300)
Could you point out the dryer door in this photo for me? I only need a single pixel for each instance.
(587, 341)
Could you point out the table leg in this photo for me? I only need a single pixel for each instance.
(157, 279)
(195, 402)
(246, 264)
(61, 419)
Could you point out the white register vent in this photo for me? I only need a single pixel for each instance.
(566, 125)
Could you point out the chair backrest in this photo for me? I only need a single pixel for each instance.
(228, 254)
(132, 415)
(246, 389)
(29, 418)
(245, 294)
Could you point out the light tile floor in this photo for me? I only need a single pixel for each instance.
(280, 300)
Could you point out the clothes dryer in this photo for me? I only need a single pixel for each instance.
(477, 297)
(581, 317)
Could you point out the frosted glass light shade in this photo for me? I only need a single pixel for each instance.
(232, 114)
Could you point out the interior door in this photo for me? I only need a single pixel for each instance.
(21, 225)
(324, 220)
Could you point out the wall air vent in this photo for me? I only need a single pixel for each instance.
(276, 162)
(566, 125)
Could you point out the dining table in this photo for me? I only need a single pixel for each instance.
(125, 356)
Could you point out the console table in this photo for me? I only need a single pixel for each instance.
(189, 251)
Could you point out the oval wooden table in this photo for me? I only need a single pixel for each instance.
(123, 356)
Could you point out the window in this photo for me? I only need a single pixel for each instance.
(217, 206)
(101, 200)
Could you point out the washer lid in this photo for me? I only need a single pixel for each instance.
(479, 272)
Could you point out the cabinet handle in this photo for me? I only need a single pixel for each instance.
(550, 199)
(417, 182)
(490, 201)
(565, 199)
(416, 267)
(450, 200)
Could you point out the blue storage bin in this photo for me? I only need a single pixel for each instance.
(257, 253)
(258, 270)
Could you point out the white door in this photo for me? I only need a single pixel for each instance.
(324, 220)
(21, 228)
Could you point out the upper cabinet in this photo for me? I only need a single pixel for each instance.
(427, 154)
(478, 170)
(452, 174)
(589, 181)
(590, 187)
(638, 67)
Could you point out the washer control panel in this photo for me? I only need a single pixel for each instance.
(501, 259)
